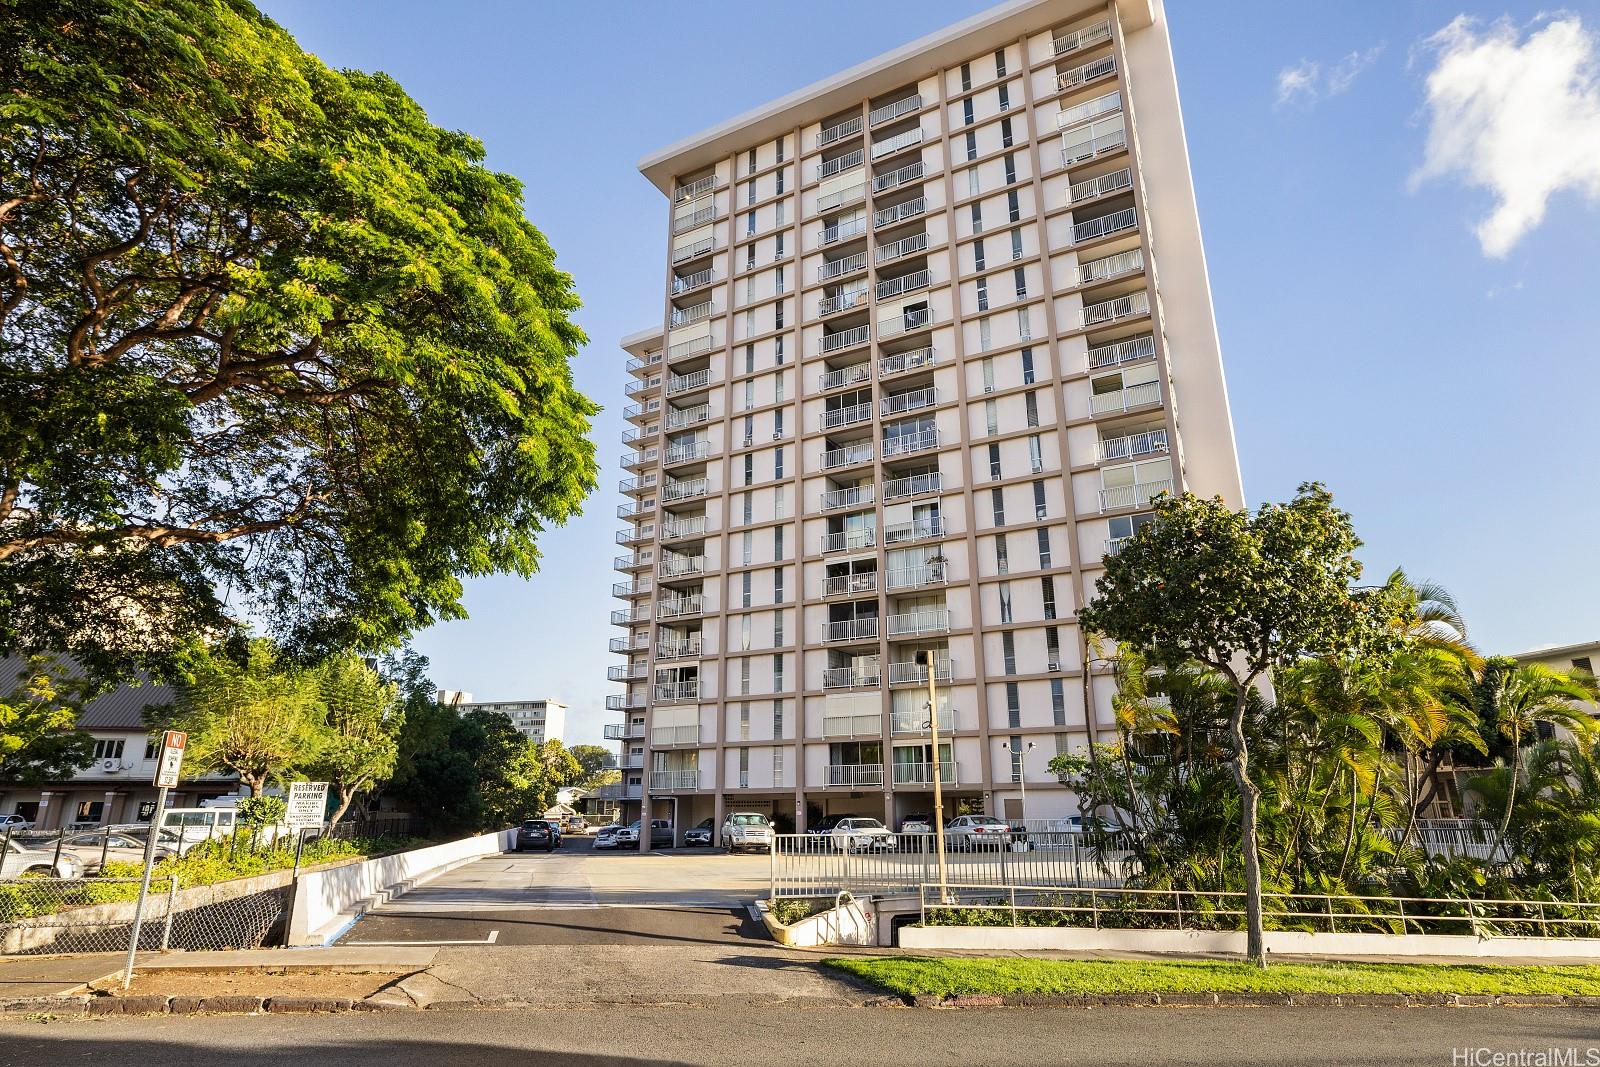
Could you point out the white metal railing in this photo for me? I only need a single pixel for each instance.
(625, 703)
(850, 630)
(641, 385)
(679, 649)
(838, 267)
(922, 773)
(915, 577)
(1121, 307)
(635, 434)
(695, 189)
(1116, 222)
(1092, 140)
(852, 725)
(635, 509)
(916, 485)
(698, 217)
(889, 112)
(649, 407)
(1133, 496)
(843, 301)
(911, 172)
(1088, 111)
(643, 533)
(1098, 270)
(900, 362)
(902, 248)
(679, 565)
(689, 348)
(841, 197)
(856, 335)
(854, 496)
(905, 443)
(1080, 39)
(629, 616)
(678, 417)
(1133, 396)
(862, 672)
(1085, 73)
(690, 282)
(905, 322)
(843, 229)
(856, 372)
(675, 735)
(628, 672)
(687, 526)
(641, 456)
(829, 168)
(679, 383)
(693, 251)
(925, 621)
(915, 722)
(916, 530)
(1115, 544)
(855, 774)
(843, 129)
(677, 692)
(1119, 352)
(687, 453)
(636, 364)
(916, 399)
(897, 143)
(671, 607)
(833, 418)
(685, 316)
(683, 490)
(637, 587)
(642, 558)
(860, 452)
(890, 215)
(1091, 188)
(849, 540)
(906, 283)
(675, 780)
(850, 584)
(1134, 444)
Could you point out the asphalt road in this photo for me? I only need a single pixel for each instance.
(777, 1036)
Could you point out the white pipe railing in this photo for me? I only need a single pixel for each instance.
(1085, 73)
(856, 372)
(856, 335)
(1133, 496)
(843, 301)
(840, 197)
(684, 316)
(838, 267)
(693, 251)
(690, 282)
(833, 418)
(677, 417)
(915, 722)
(850, 630)
(698, 217)
(902, 248)
(687, 453)
(1080, 39)
(855, 774)
(890, 215)
(685, 349)
(679, 565)
(909, 173)
(1098, 270)
(915, 577)
(677, 692)
(679, 383)
(906, 283)
(897, 143)
(1133, 396)
(672, 607)
(850, 584)
(683, 490)
(916, 485)
(922, 773)
(849, 455)
(854, 496)
(1105, 225)
(1121, 307)
(687, 526)
(1091, 188)
(675, 780)
(905, 322)
(900, 362)
(890, 112)
(901, 444)
(916, 530)
(1134, 444)
(695, 189)
(1111, 355)
(833, 133)
(1092, 140)
(830, 167)
(926, 397)
(849, 540)
(662, 736)
(843, 229)
(928, 620)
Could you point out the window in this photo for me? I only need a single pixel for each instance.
(777, 503)
(744, 721)
(777, 585)
(749, 506)
(749, 359)
(966, 111)
(750, 289)
(778, 316)
(988, 374)
(777, 539)
(151, 749)
(106, 748)
(1039, 509)
(1008, 651)
(1014, 205)
(998, 500)
(750, 192)
(1058, 702)
(1000, 63)
(973, 183)
(1035, 454)
(1016, 244)
(744, 677)
(777, 464)
(985, 341)
(749, 468)
(777, 766)
(752, 161)
(1030, 402)
(1047, 589)
(746, 540)
(749, 223)
(977, 218)
(983, 294)
(977, 255)
(744, 589)
(1016, 751)
(749, 323)
(966, 76)
(780, 150)
(1013, 707)
(749, 394)
(1052, 647)
(1002, 555)
(750, 257)
(749, 429)
(780, 280)
(1019, 278)
(991, 417)
(1027, 366)
(1004, 589)
(777, 628)
(1011, 168)
(781, 173)
(777, 423)
(1125, 526)
(777, 673)
(972, 146)
(1024, 324)
(1007, 138)
(779, 253)
(777, 352)
(994, 462)
(1044, 549)
(778, 211)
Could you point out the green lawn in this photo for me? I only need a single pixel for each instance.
(911, 975)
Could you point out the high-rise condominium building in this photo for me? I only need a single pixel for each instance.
(936, 330)
(537, 720)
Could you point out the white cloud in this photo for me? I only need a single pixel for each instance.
(1307, 81)
(1520, 118)
(1348, 69)
(1298, 81)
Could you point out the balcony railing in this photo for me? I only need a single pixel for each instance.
(911, 172)
(620, 791)
(697, 217)
(916, 485)
(848, 456)
(889, 112)
(674, 607)
(1114, 182)
(680, 417)
(904, 533)
(629, 644)
(843, 229)
(906, 246)
(677, 692)
(1137, 495)
(890, 215)
(641, 385)
(675, 781)
(854, 496)
(926, 621)
(842, 130)
(690, 282)
(686, 453)
(856, 372)
(899, 142)
(695, 189)
(1088, 72)
(1134, 396)
(1131, 445)
(916, 577)
(1112, 355)
(905, 322)
(638, 587)
(678, 565)
(640, 457)
(693, 251)
(684, 490)
(915, 400)
(907, 443)
(1089, 110)
(633, 366)
(679, 649)
(623, 731)
(1092, 140)
(629, 673)
(901, 362)
(1104, 226)
(687, 526)
(842, 301)
(1114, 545)
(685, 316)
(833, 418)
(862, 672)
(1122, 307)
(831, 167)
(689, 348)
(624, 703)
(851, 630)
(635, 434)
(854, 774)
(922, 773)
(838, 342)
(634, 536)
(906, 283)
(850, 584)
(682, 383)
(842, 197)
(662, 736)
(852, 725)
(840, 267)
(908, 673)
(630, 616)
(649, 407)
(849, 540)
(1087, 37)
(635, 509)
(643, 481)
(1107, 267)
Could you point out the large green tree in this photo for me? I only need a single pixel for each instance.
(597, 765)
(39, 740)
(264, 329)
(1242, 594)
(355, 727)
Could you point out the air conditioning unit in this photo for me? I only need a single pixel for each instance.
(109, 765)
(1053, 666)
(988, 388)
(777, 437)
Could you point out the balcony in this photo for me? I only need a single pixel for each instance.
(677, 418)
(1095, 139)
(861, 674)
(640, 587)
(912, 172)
(843, 230)
(677, 692)
(855, 496)
(619, 791)
(1078, 40)
(623, 731)
(682, 383)
(630, 616)
(686, 349)
(849, 540)
(1129, 446)
(628, 645)
(889, 112)
(855, 774)
(687, 526)
(1104, 226)
(1084, 74)
(842, 302)
(631, 485)
(686, 649)
(842, 197)
(907, 443)
(675, 781)
(922, 773)
(916, 485)
(637, 535)
(676, 565)
(633, 762)
(1129, 351)
(851, 375)
(909, 533)
(1108, 267)
(848, 456)
(676, 607)
(695, 250)
(630, 673)
(688, 315)
(1114, 545)
(1104, 185)
(898, 143)
(1089, 110)
(695, 189)
(649, 407)
(1134, 396)
(852, 725)
(1122, 307)
(635, 509)
(900, 212)
(926, 621)
(838, 268)
(917, 577)
(850, 630)
(641, 385)
(697, 217)
(665, 736)
(1137, 495)
(845, 339)
(635, 365)
(690, 282)
(833, 418)
(686, 489)
(686, 453)
(906, 283)
(835, 133)
(902, 362)
(829, 168)
(905, 322)
(640, 457)
(624, 703)
(915, 673)
(906, 246)
(915, 400)
(857, 584)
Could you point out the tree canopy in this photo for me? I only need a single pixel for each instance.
(268, 338)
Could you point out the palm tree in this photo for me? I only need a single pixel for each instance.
(1428, 615)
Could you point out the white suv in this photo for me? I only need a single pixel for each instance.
(744, 831)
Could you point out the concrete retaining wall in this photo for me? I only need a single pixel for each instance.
(852, 923)
(326, 902)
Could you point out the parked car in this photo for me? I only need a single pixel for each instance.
(1079, 824)
(14, 822)
(973, 831)
(19, 861)
(89, 848)
(555, 829)
(699, 833)
(535, 834)
(606, 836)
(745, 831)
(575, 824)
(918, 823)
(828, 823)
(861, 834)
(660, 834)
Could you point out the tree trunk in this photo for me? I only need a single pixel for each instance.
(1350, 827)
(1511, 795)
(1249, 796)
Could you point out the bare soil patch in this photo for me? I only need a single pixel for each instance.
(295, 982)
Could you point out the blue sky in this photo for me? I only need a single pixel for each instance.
(1448, 396)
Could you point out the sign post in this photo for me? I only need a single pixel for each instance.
(167, 771)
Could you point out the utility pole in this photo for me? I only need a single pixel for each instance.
(930, 659)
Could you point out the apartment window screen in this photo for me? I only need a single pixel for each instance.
(744, 721)
(777, 585)
(1027, 366)
(1013, 707)
(997, 498)
(1052, 647)
(1004, 591)
(777, 628)
(1007, 138)
(1030, 402)
(1011, 168)
(994, 461)
(1024, 324)
(1058, 702)
(1008, 646)
(744, 677)
(777, 463)
(1002, 555)
(746, 539)
(966, 111)
(1039, 507)
(977, 218)
(983, 294)
(749, 468)
(978, 261)
(1044, 549)
(991, 417)
(1016, 244)
(1035, 454)
(1000, 63)
(749, 506)
(1047, 590)
(972, 146)
(777, 539)
(777, 674)
(973, 183)
(966, 76)
(1013, 206)
(744, 589)
(1019, 278)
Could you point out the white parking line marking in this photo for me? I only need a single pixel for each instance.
(494, 935)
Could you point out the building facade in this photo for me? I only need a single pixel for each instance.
(537, 720)
(935, 332)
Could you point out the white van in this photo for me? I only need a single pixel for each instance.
(193, 825)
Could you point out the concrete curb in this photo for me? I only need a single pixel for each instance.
(1252, 1000)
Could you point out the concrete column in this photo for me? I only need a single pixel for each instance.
(49, 800)
(800, 810)
(646, 811)
(108, 807)
(888, 808)
(718, 813)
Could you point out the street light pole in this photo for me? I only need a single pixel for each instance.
(1022, 776)
(931, 660)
